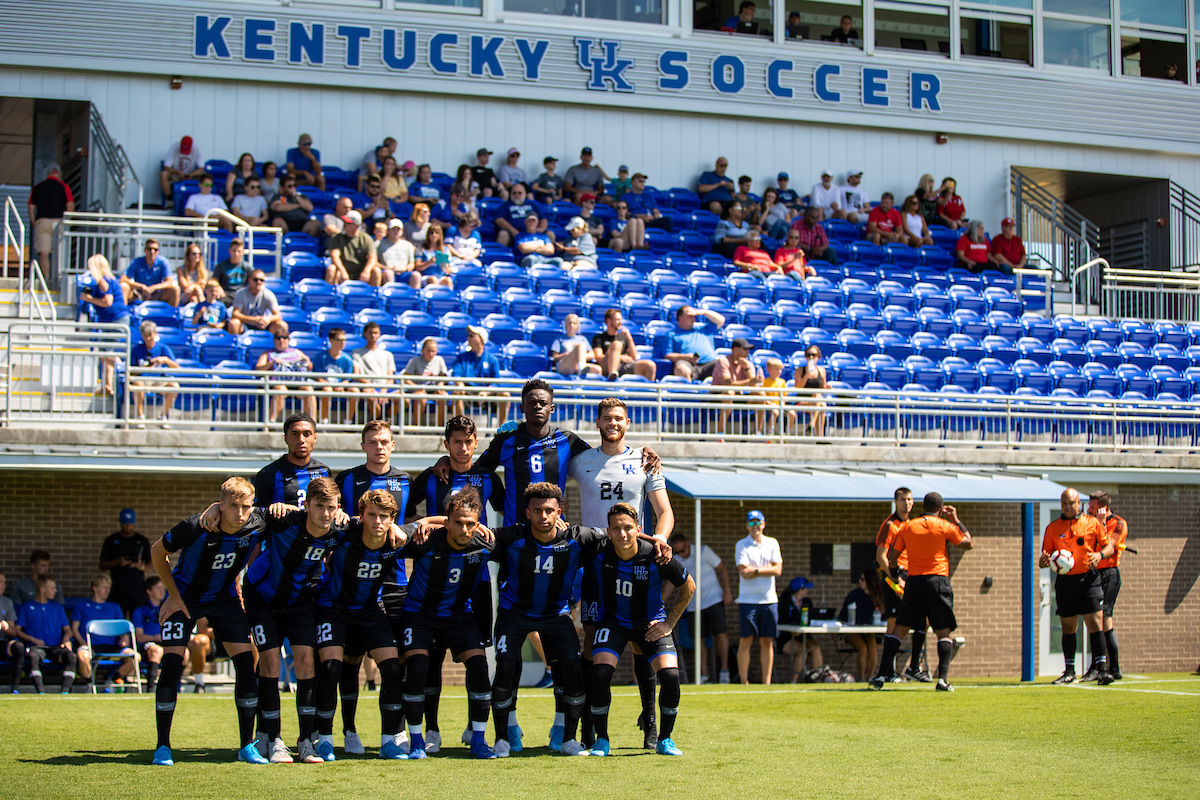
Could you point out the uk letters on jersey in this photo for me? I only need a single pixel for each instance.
(631, 591)
(435, 494)
(353, 483)
(209, 563)
(354, 573)
(527, 460)
(536, 577)
(444, 578)
(290, 561)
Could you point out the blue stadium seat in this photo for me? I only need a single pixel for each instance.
(965, 346)
(416, 325)
(520, 302)
(740, 285)
(667, 281)
(525, 358)
(828, 317)
(1168, 379)
(504, 275)
(559, 303)
(1032, 375)
(1101, 377)
(721, 306)
(935, 257)
(929, 296)
(755, 313)
(903, 321)
(162, 314)
(637, 307)
(867, 253)
(544, 277)
(998, 375)
(501, 329)
(1138, 332)
(211, 346)
(702, 283)
(1170, 355)
(965, 297)
(453, 326)
(857, 290)
(894, 293)
(354, 296)
(902, 276)
(703, 221)
(865, 318)
(682, 199)
(596, 303)
(1068, 327)
(300, 265)
(1034, 350)
(1136, 353)
(327, 317)
(886, 370)
(1101, 351)
(437, 300)
(1000, 348)
(692, 242)
(384, 319)
(282, 289)
(931, 345)
(314, 293)
(901, 255)
(1134, 379)
(1067, 376)
(969, 322)
(296, 318)
(542, 330)
(935, 321)
(894, 344)
(479, 301)
(793, 314)
(1038, 327)
(251, 345)
(1070, 351)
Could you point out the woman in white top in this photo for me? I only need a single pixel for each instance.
(418, 224)
(270, 181)
(192, 276)
(914, 222)
(776, 216)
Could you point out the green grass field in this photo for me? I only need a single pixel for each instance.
(1137, 739)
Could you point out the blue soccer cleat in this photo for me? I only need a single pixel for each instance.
(600, 748)
(666, 747)
(480, 749)
(324, 751)
(556, 737)
(514, 739)
(417, 753)
(162, 757)
(392, 751)
(545, 681)
(250, 755)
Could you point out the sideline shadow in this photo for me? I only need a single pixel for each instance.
(82, 758)
(1187, 570)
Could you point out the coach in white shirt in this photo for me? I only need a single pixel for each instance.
(759, 564)
(826, 196)
(714, 593)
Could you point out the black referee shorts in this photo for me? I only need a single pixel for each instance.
(368, 627)
(559, 639)
(225, 617)
(891, 600)
(927, 597)
(1079, 594)
(1110, 584)
(270, 626)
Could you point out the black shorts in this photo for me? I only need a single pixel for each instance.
(712, 621)
(1079, 594)
(270, 625)
(612, 638)
(589, 612)
(457, 634)
(393, 609)
(559, 639)
(225, 617)
(927, 597)
(369, 627)
(1110, 584)
(481, 609)
(891, 600)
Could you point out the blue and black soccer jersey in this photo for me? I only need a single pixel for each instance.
(281, 481)
(443, 577)
(354, 573)
(209, 563)
(535, 577)
(429, 489)
(527, 460)
(631, 591)
(290, 561)
(352, 484)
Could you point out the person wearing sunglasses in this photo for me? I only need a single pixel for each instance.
(759, 563)
(149, 277)
(284, 358)
(255, 307)
(198, 205)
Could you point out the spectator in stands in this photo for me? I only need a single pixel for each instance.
(460, 204)
(510, 216)
(417, 226)
(148, 353)
(254, 306)
(352, 254)
(251, 206)
(24, 589)
(394, 253)
(378, 234)
(752, 259)
(378, 207)
(476, 362)
(290, 209)
(751, 204)
(692, 350)
(916, 230)
(713, 579)
(483, 175)
(231, 273)
(510, 174)
(973, 250)
(595, 225)
(732, 232)
(570, 353)
(191, 276)
(395, 188)
(628, 233)
(856, 203)
(787, 196)
(812, 377)
(950, 209)
(845, 31)
(585, 178)
(867, 598)
(744, 21)
(735, 369)
(147, 631)
(331, 224)
(759, 563)
(149, 277)
(210, 311)
(926, 195)
(885, 225)
(11, 648)
(377, 367)
(125, 556)
(467, 179)
(790, 258)
(43, 626)
(548, 187)
(622, 183)
(270, 181)
(615, 352)
(428, 364)
(580, 249)
(283, 358)
(1008, 251)
(335, 362)
(776, 217)
(643, 206)
(812, 238)
(1171, 72)
(432, 264)
(772, 400)
(183, 163)
(235, 181)
(108, 299)
(467, 245)
(795, 608)
(48, 201)
(794, 30)
(372, 163)
(826, 197)
(304, 163)
(533, 247)
(98, 608)
(198, 205)
(716, 191)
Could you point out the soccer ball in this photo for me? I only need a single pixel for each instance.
(1062, 561)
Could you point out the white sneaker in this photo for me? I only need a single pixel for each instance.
(141, 422)
(501, 749)
(574, 748)
(433, 742)
(280, 753)
(308, 753)
(466, 737)
(724, 678)
(324, 420)
(352, 744)
(164, 422)
(403, 743)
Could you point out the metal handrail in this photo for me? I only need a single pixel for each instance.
(115, 160)
(1075, 275)
(241, 225)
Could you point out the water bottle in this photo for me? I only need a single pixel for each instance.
(852, 614)
(804, 616)
(876, 617)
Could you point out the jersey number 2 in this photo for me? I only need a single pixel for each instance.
(612, 491)
(368, 570)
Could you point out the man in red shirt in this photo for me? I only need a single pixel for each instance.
(48, 201)
(813, 240)
(1008, 251)
(972, 250)
(751, 257)
(884, 225)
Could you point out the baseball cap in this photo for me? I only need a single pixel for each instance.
(588, 196)
(1004, 223)
(548, 159)
(395, 223)
(479, 331)
(483, 151)
(783, 176)
(587, 151)
(354, 217)
(638, 175)
(304, 139)
(54, 169)
(850, 172)
(825, 172)
(408, 164)
(745, 345)
(127, 516)
(512, 151)
(185, 145)
(622, 168)
(755, 516)
(799, 582)
(576, 222)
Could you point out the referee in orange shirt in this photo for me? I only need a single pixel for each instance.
(1100, 507)
(1079, 592)
(927, 594)
(891, 601)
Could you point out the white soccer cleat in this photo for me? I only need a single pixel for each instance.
(574, 748)
(433, 742)
(280, 753)
(501, 749)
(466, 737)
(403, 743)
(351, 744)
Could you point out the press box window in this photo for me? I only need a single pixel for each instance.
(651, 11)
(728, 16)
(908, 26)
(1076, 44)
(824, 22)
(1146, 57)
(992, 37)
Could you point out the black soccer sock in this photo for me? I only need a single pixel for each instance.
(585, 718)
(945, 653)
(1068, 647)
(414, 688)
(918, 649)
(348, 693)
(391, 710)
(574, 698)
(329, 678)
(165, 695)
(668, 700)
(17, 654)
(600, 698)
(433, 688)
(245, 694)
(557, 676)
(69, 660)
(36, 654)
(306, 710)
(1110, 642)
(887, 663)
(479, 691)
(646, 685)
(1099, 651)
(151, 675)
(503, 698)
(269, 707)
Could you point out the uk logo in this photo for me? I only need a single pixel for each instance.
(608, 71)
(630, 469)
(641, 573)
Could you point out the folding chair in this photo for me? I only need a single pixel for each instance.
(113, 627)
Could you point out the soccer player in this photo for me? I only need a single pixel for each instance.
(348, 605)
(377, 444)
(1079, 592)
(631, 592)
(607, 474)
(927, 594)
(891, 600)
(202, 585)
(43, 626)
(447, 570)
(286, 479)
(1100, 507)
